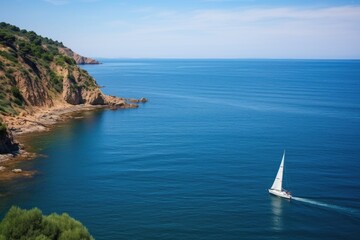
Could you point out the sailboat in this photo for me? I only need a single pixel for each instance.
(276, 189)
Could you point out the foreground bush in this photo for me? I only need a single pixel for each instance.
(32, 225)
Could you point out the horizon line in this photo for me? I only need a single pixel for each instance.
(220, 58)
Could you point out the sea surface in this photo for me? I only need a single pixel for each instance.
(196, 161)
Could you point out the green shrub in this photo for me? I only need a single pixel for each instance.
(16, 93)
(37, 50)
(59, 60)
(5, 107)
(9, 56)
(10, 70)
(56, 81)
(63, 60)
(15, 29)
(37, 41)
(2, 129)
(7, 38)
(21, 224)
(10, 76)
(8, 26)
(4, 102)
(31, 35)
(18, 102)
(3, 24)
(69, 60)
(47, 56)
(33, 48)
(31, 224)
(24, 48)
(53, 49)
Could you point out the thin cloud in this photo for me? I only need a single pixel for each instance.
(57, 2)
(256, 32)
(90, 1)
(269, 20)
(63, 2)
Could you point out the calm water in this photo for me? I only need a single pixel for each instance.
(195, 162)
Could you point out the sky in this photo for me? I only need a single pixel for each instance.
(317, 29)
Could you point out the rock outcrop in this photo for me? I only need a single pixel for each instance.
(141, 100)
(78, 58)
(33, 91)
(7, 142)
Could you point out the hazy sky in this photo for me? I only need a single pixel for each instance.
(194, 28)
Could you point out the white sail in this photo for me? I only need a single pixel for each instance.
(277, 185)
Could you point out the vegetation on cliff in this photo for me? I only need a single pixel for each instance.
(35, 71)
(2, 127)
(31, 224)
(38, 74)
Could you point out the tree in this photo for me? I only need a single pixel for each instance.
(7, 38)
(32, 35)
(37, 41)
(24, 48)
(31, 224)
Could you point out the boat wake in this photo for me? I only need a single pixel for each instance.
(346, 210)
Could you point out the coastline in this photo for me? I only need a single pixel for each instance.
(43, 119)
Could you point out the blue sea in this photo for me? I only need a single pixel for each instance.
(196, 161)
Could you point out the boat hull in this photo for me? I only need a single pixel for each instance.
(281, 194)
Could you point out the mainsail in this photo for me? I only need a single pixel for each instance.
(277, 185)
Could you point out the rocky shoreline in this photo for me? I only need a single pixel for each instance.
(41, 85)
(42, 119)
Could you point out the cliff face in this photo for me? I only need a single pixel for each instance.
(78, 58)
(7, 142)
(37, 71)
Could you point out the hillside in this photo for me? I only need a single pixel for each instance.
(38, 73)
(34, 71)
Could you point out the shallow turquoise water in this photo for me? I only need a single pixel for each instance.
(195, 162)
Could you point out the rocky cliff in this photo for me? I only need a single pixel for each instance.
(7, 142)
(37, 72)
(78, 58)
